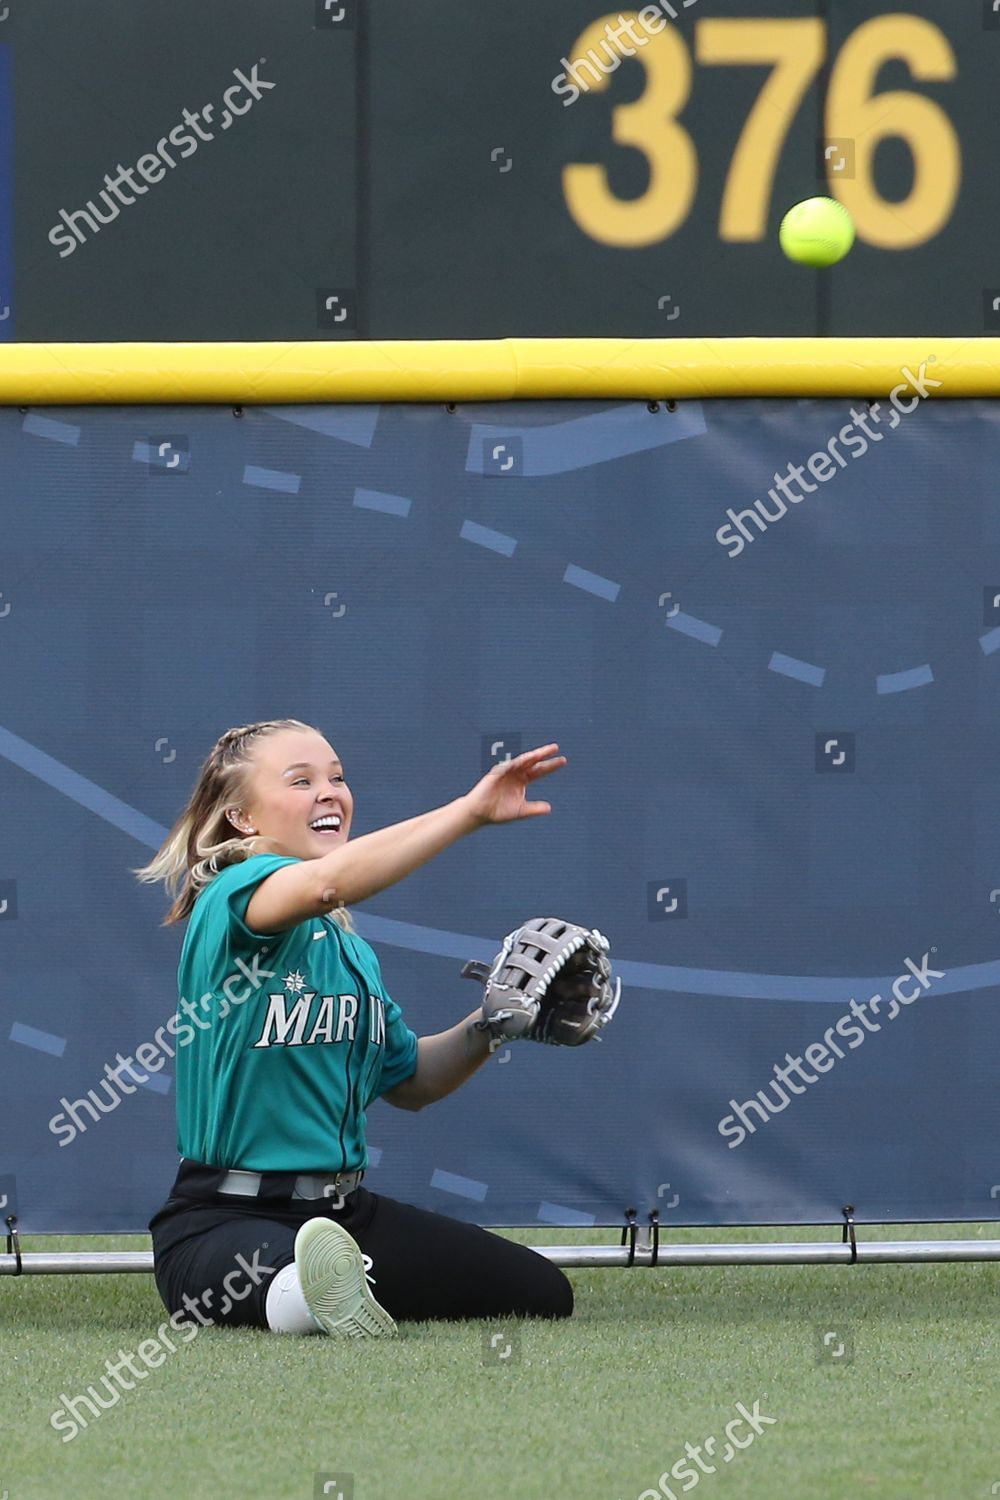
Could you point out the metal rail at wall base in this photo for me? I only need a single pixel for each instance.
(640, 1246)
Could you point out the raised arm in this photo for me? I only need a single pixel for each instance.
(364, 866)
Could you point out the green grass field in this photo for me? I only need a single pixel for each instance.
(594, 1409)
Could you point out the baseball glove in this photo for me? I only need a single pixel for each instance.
(550, 982)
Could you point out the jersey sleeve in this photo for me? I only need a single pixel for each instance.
(400, 1059)
(232, 892)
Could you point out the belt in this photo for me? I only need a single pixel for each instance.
(331, 1187)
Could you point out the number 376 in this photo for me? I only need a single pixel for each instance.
(795, 50)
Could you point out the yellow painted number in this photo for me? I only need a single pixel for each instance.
(648, 124)
(854, 112)
(795, 50)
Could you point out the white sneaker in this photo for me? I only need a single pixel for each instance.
(334, 1284)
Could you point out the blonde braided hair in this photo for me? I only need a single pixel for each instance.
(200, 844)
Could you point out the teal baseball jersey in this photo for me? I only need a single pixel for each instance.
(293, 1036)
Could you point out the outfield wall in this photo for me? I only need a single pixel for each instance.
(781, 783)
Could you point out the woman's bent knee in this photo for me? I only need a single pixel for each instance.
(562, 1301)
(555, 1294)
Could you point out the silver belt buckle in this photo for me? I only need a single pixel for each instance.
(331, 1191)
(312, 1186)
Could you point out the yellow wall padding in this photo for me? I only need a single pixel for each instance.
(490, 369)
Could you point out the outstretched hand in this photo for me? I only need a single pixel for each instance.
(500, 796)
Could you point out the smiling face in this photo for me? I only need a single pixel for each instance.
(296, 780)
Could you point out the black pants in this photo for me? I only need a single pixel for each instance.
(221, 1252)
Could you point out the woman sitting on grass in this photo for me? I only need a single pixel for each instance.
(298, 1038)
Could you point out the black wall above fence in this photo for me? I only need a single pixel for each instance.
(423, 171)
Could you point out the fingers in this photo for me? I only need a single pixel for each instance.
(546, 767)
(535, 755)
(531, 764)
(540, 762)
